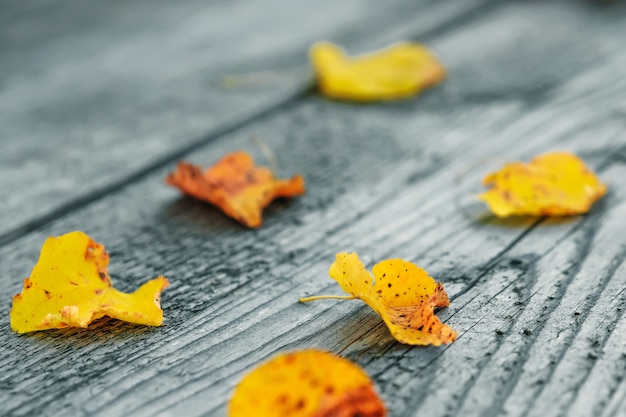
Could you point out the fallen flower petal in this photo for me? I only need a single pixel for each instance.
(307, 383)
(234, 184)
(403, 294)
(399, 71)
(70, 287)
(552, 184)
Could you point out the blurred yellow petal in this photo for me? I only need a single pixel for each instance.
(399, 71)
(307, 383)
(552, 184)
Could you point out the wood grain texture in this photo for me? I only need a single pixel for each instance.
(94, 97)
(538, 303)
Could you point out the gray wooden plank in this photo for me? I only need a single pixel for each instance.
(140, 82)
(392, 180)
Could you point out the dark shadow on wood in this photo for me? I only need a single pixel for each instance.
(522, 222)
(198, 216)
(202, 217)
(104, 330)
(514, 222)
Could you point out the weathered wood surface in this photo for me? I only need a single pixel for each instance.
(538, 303)
(146, 82)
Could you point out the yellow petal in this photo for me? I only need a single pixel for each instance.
(307, 383)
(70, 287)
(552, 184)
(400, 71)
(403, 294)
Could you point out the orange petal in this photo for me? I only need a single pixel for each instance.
(241, 189)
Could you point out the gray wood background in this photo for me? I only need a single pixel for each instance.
(99, 100)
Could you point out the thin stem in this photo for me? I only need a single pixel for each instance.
(326, 297)
(267, 151)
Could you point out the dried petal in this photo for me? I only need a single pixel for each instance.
(399, 71)
(403, 294)
(70, 287)
(236, 186)
(552, 184)
(307, 383)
